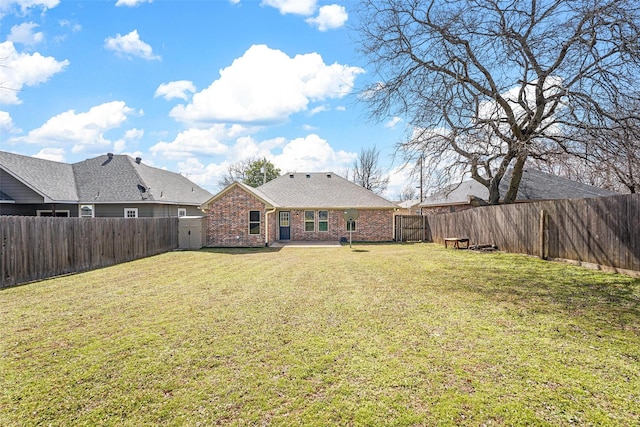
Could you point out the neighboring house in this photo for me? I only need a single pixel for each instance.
(409, 207)
(297, 207)
(534, 186)
(104, 186)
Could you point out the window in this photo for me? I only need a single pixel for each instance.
(131, 212)
(351, 225)
(182, 212)
(86, 211)
(323, 220)
(309, 221)
(254, 222)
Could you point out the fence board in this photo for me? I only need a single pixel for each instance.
(603, 231)
(35, 248)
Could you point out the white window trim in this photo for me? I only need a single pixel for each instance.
(323, 220)
(93, 211)
(182, 212)
(304, 217)
(39, 212)
(130, 210)
(259, 222)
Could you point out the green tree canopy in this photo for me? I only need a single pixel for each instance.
(250, 172)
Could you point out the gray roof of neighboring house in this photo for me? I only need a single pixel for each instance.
(102, 179)
(534, 185)
(321, 190)
(408, 204)
(121, 179)
(52, 180)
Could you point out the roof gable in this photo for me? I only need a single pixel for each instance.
(244, 187)
(54, 181)
(321, 190)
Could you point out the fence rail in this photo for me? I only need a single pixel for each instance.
(603, 231)
(35, 248)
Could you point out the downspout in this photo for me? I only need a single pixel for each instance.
(266, 225)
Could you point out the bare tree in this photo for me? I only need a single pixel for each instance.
(408, 193)
(612, 157)
(616, 152)
(488, 85)
(367, 172)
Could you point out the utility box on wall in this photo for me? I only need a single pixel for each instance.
(191, 232)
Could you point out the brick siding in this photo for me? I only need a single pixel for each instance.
(228, 220)
(371, 226)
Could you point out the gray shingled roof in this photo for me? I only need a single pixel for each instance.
(321, 190)
(121, 179)
(52, 180)
(103, 179)
(535, 185)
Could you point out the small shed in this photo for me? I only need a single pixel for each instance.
(191, 232)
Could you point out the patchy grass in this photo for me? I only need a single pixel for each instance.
(374, 335)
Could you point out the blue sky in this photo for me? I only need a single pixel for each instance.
(190, 86)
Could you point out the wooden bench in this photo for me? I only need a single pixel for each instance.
(456, 242)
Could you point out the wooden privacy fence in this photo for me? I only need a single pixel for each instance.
(35, 248)
(603, 231)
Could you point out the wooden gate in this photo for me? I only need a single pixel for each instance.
(412, 228)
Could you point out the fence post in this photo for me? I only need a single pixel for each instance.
(544, 235)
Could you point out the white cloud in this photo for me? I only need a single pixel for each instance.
(6, 124)
(130, 46)
(312, 154)
(309, 154)
(266, 85)
(399, 178)
(22, 69)
(393, 122)
(81, 131)
(74, 26)
(51, 153)
(132, 3)
(24, 33)
(205, 176)
(297, 7)
(131, 135)
(205, 142)
(177, 89)
(9, 6)
(329, 17)
(318, 109)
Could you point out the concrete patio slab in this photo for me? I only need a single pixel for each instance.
(288, 244)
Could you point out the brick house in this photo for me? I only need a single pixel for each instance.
(296, 207)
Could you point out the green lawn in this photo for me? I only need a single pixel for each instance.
(374, 335)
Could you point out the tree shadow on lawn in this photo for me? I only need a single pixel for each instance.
(553, 287)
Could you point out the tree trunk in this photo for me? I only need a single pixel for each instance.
(516, 176)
